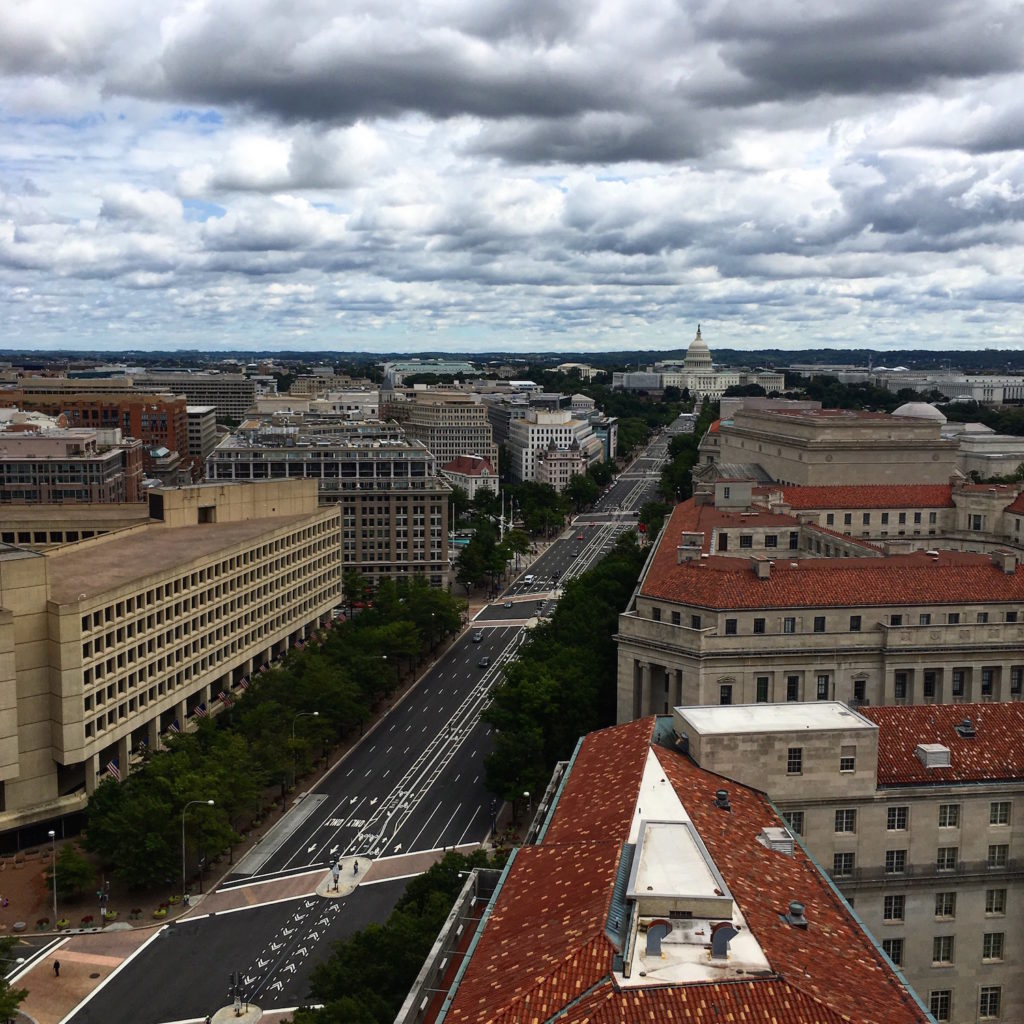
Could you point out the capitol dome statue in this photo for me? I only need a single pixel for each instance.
(698, 356)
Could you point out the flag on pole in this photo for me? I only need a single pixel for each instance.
(200, 711)
(113, 769)
(243, 683)
(265, 667)
(173, 727)
(224, 697)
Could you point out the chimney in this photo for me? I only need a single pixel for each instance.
(691, 544)
(807, 517)
(762, 567)
(722, 800)
(1005, 560)
(703, 496)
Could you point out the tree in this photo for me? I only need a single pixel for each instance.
(75, 873)
(581, 491)
(10, 998)
(460, 503)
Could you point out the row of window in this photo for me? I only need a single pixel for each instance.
(819, 623)
(990, 1002)
(897, 818)
(946, 859)
(865, 518)
(943, 947)
(894, 906)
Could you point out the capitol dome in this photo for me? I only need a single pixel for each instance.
(698, 356)
(920, 411)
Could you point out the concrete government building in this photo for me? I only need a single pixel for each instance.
(107, 643)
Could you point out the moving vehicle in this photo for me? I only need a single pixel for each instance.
(478, 636)
(529, 578)
(484, 661)
(508, 604)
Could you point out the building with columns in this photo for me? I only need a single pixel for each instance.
(108, 643)
(742, 601)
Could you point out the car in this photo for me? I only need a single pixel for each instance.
(484, 661)
(507, 604)
(529, 578)
(575, 552)
(478, 636)
(579, 536)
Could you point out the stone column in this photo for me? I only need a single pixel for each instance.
(124, 751)
(153, 733)
(92, 771)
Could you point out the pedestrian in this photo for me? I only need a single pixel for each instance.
(56, 968)
(355, 868)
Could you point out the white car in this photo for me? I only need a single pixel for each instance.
(529, 578)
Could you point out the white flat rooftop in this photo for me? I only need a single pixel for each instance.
(824, 715)
(672, 861)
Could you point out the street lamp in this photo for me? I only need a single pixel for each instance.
(209, 803)
(529, 804)
(295, 756)
(53, 864)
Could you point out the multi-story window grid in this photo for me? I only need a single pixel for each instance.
(945, 858)
(795, 761)
(990, 1001)
(895, 862)
(992, 946)
(942, 949)
(846, 820)
(842, 865)
(949, 815)
(995, 901)
(945, 904)
(896, 819)
(940, 1003)
(999, 812)
(893, 949)
(998, 855)
(893, 907)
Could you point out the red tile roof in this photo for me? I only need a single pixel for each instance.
(544, 949)
(1017, 505)
(469, 465)
(764, 1001)
(834, 960)
(995, 753)
(953, 577)
(883, 496)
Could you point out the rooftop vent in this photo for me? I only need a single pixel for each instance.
(795, 917)
(778, 839)
(932, 755)
(722, 800)
(966, 729)
(762, 568)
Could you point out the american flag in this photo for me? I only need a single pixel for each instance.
(200, 711)
(223, 697)
(243, 683)
(300, 644)
(265, 667)
(173, 727)
(114, 770)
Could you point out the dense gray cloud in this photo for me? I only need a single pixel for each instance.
(475, 173)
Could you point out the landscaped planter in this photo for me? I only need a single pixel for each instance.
(160, 912)
(63, 923)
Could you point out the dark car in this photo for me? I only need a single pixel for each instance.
(484, 661)
(478, 636)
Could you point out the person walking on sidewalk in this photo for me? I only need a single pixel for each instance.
(56, 968)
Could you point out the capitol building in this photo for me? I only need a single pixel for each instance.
(696, 374)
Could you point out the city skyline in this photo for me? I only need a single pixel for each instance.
(480, 177)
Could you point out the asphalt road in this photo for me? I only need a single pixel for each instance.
(182, 973)
(415, 783)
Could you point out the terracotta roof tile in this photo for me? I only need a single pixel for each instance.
(883, 496)
(469, 465)
(764, 1001)
(1017, 505)
(543, 951)
(833, 960)
(952, 577)
(996, 752)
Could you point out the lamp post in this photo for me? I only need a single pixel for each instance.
(53, 862)
(529, 803)
(295, 757)
(209, 803)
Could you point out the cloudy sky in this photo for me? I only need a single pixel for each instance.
(511, 174)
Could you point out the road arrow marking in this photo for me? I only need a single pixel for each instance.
(315, 936)
(302, 951)
(373, 801)
(398, 847)
(275, 946)
(311, 848)
(289, 967)
(334, 849)
(287, 932)
(324, 922)
(263, 963)
(247, 981)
